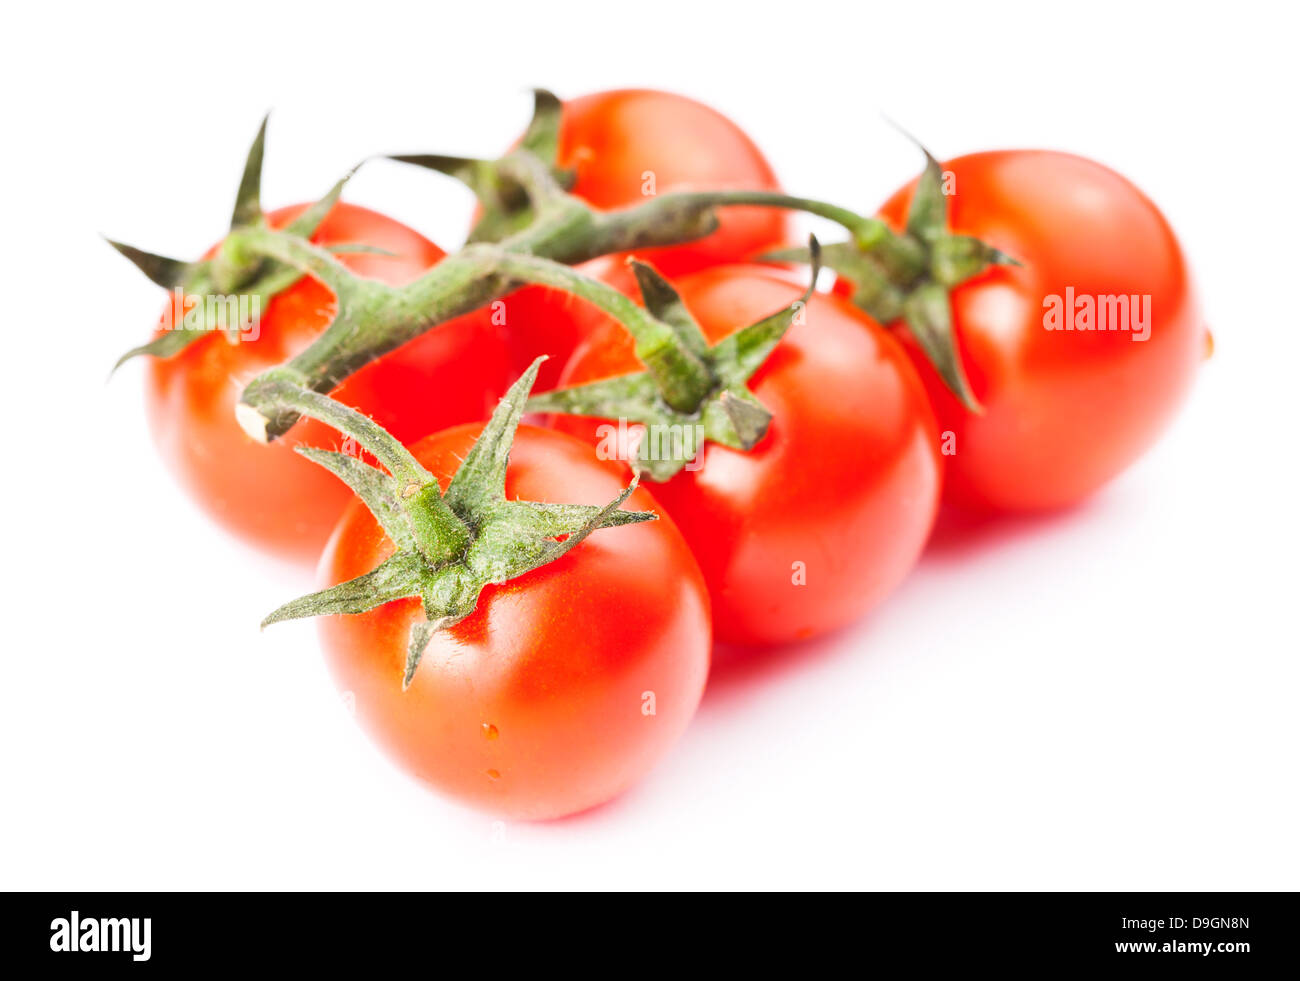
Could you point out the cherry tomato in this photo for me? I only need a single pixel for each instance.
(1064, 410)
(626, 146)
(565, 685)
(814, 525)
(268, 494)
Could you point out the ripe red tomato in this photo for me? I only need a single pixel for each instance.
(815, 524)
(565, 685)
(1064, 410)
(624, 146)
(268, 494)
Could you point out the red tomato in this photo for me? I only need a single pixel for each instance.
(565, 685)
(624, 146)
(269, 495)
(1064, 410)
(810, 528)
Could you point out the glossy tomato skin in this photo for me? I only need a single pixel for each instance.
(267, 494)
(811, 528)
(564, 686)
(1064, 411)
(614, 141)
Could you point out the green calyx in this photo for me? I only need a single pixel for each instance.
(908, 276)
(450, 545)
(237, 271)
(690, 391)
(509, 190)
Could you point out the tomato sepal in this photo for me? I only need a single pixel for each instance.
(928, 315)
(449, 546)
(236, 267)
(506, 198)
(248, 199)
(722, 411)
(907, 277)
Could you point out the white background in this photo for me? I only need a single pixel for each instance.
(1094, 700)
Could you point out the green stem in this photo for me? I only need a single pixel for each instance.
(293, 250)
(368, 433)
(901, 256)
(376, 319)
(867, 231)
(533, 176)
(437, 531)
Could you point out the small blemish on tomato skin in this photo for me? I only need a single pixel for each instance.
(490, 731)
(494, 774)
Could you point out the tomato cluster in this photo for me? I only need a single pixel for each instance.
(565, 684)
